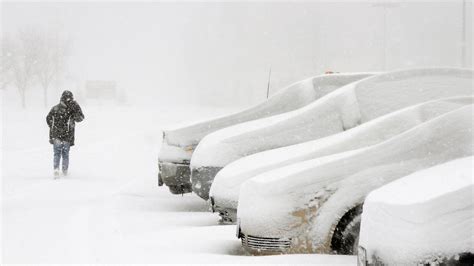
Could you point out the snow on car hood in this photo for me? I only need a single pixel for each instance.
(290, 98)
(333, 184)
(226, 186)
(426, 214)
(347, 107)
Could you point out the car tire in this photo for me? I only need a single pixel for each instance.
(346, 235)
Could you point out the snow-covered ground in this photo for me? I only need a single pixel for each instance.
(109, 209)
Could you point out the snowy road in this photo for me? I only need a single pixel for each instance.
(109, 209)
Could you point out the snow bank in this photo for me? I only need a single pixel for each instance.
(108, 210)
(290, 98)
(347, 107)
(226, 186)
(303, 199)
(422, 216)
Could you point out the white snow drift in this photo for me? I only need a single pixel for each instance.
(226, 186)
(345, 108)
(422, 217)
(112, 214)
(178, 143)
(304, 201)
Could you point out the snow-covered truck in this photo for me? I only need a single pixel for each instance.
(179, 143)
(425, 218)
(315, 206)
(343, 109)
(225, 189)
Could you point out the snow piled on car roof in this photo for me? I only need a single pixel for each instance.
(334, 184)
(345, 108)
(290, 98)
(226, 186)
(426, 215)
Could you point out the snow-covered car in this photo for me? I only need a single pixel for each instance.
(315, 206)
(345, 108)
(225, 189)
(179, 143)
(425, 218)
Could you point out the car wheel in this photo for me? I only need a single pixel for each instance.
(346, 236)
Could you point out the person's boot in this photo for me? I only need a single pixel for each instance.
(64, 172)
(56, 173)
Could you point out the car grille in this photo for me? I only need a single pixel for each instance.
(265, 243)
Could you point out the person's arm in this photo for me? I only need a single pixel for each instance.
(50, 118)
(78, 115)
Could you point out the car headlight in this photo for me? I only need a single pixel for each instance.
(361, 256)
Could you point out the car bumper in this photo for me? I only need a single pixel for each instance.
(256, 245)
(202, 178)
(466, 258)
(176, 176)
(228, 215)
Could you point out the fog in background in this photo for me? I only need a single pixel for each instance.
(219, 53)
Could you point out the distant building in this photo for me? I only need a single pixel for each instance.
(101, 90)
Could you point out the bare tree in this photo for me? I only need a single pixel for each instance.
(32, 57)
(52, 59)
(6, 62)
(24, 53)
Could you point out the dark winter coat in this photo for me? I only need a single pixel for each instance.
(62, 118)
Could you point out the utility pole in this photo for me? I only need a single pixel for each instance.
(385, 6)
(463, 35)
(384, 56)
(268, 85)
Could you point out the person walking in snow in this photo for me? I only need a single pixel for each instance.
(61, 121)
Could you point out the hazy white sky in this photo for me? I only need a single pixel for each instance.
(221, 52)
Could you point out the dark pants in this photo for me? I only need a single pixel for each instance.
(61, 150)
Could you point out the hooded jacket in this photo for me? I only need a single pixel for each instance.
(62, 118)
